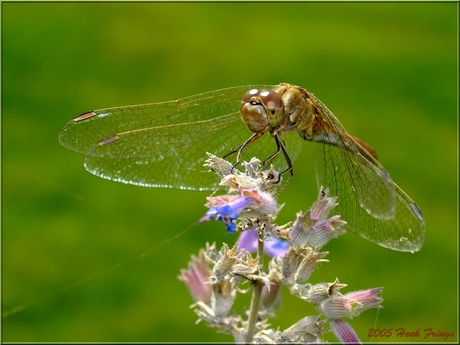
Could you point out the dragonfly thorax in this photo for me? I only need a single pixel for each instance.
(300, 112)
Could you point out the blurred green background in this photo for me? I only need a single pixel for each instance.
(86, 259)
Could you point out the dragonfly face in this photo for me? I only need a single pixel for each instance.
(262, 110)
(164, 145)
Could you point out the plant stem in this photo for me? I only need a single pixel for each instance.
(255, 300)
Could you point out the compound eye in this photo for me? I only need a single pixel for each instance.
(271, 100)
(251, 96)
(273, 105)
(253, 111)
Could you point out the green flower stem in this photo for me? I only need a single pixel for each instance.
(255, 301)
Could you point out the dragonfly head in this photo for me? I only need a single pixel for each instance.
(261, 108)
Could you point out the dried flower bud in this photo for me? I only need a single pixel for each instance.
(299, 263)
(271, 295)
(219, 165)
(321, 292)
(224, 266)
(223, 296)
(306, 330)
(313, 228)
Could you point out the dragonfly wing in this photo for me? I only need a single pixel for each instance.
(163, 144)
(341, 172)
(84, 131)
(342, 160)
(173, 157)
(371, 203)
(351, 174)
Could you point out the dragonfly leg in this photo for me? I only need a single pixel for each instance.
(280, 148)
(290, 168)
(240, 148)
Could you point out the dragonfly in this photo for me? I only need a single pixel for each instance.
(164, 144)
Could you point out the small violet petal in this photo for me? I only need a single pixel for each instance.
(248, 241)
(228, 212)
(274, 247)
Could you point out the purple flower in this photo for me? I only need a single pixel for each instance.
(197, 279)
(274, 247)
(352, 304)
(228, 211)
(344, 332)
(227, 208)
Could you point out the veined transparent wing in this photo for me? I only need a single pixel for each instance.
(165, 144)
(369, 201)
